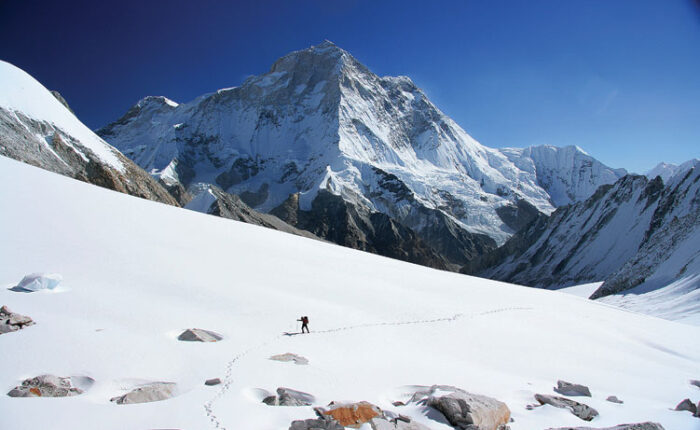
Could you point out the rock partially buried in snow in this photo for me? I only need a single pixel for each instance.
(152, 392)
(47, 386)
(351, 415)
(38, 282)
(289, 397)
(316, 424)
(569, 389)
(687, 405)
(199, 335)
(581, 410)
(10, 321)
(614, 399)
(288, 356)
(637, 426)
(399, 423)
(214, 381)
(465, 410)
(695, 382)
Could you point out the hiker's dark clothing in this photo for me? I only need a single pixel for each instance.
(304, 324)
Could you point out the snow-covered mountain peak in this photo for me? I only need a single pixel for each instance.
(320, 120)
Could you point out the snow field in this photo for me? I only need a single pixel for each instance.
(136, 273)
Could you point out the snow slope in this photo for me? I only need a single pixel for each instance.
(131, 285)
(21, 93)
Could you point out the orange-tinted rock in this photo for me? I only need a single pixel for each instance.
(353, 414)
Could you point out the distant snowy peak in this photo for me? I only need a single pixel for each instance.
(668, 170)
(568, 174)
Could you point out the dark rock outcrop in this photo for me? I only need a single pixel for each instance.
(687, 405)
(569, 389)
(316, 424)
(289, 397)
(338, 221)
(637, 426)
(199, 335)
(213, 381)
(614, 399)
(581, 410)
(11, 321)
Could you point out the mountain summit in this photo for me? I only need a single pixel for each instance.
(319, 122)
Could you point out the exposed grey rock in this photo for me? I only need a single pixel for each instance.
(569, 389)
(289, 397)
(199, 335)
(43, 144)
(695, 382)
(47, 386)
(464, 410)
(614, 399)
(288, 356)
(316, 424)
(63, 101)
(231, 206)
(400, 423)
(152, 392)
(687, 405)
(581, 410)
(638, 426)
(214, 381)
(11, 321)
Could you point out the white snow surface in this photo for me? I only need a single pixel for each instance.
(138, 273)
(21, 93)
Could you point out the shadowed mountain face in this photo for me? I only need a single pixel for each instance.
(635, 232)
(321, 121)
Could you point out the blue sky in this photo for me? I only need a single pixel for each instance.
(619, 78)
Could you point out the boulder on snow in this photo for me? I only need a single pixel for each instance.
(199, 335)
(316, 424)
(465, 410)
(399, 423)
(687, 405)
(636, 426)
(614, 399)
(38, 282)
(581, 410)
(10, 321)
(569, 389)
(289, 397)
(288, 356)
(695, 382)
(48, 386)
(214, 381)
(152, 392)
(351, 414)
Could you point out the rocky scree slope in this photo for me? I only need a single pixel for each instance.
(321, 121)
(629, 233)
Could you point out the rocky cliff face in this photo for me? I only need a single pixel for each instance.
(320, 121)
(636, 231)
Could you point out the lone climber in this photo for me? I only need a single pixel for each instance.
(304, 324)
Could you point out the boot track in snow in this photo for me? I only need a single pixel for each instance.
(228, 374)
